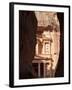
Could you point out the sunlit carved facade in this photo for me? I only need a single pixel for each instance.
(48, 42)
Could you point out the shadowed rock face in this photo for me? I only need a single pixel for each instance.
(27, 42)
(60, 66)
